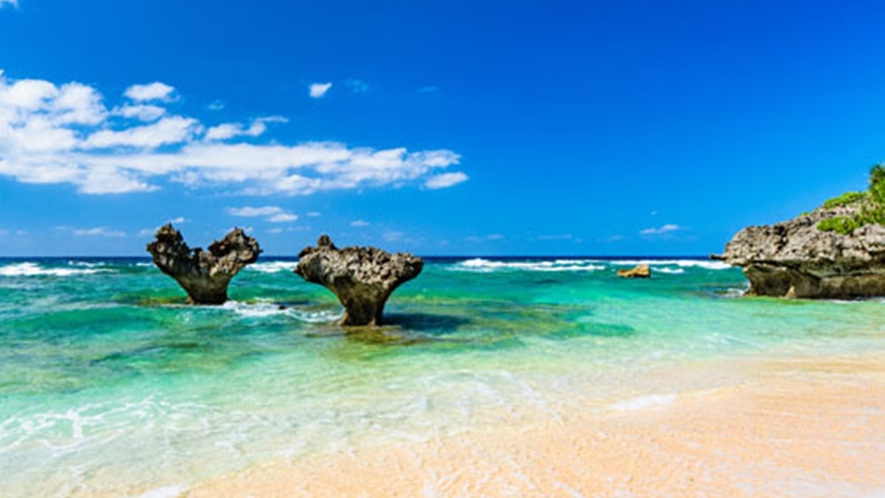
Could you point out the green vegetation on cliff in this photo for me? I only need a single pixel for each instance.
(872, 206)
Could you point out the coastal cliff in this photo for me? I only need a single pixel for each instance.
(836, 251)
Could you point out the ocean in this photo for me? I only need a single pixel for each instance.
(111, 385)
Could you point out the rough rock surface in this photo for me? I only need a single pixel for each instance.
(362, 277)
(640, 271)
(204, 275)
(796, 259)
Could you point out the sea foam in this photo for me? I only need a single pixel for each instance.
(485, 266)
(682, 263)
(274, 266)
(35, 270)
(267, 309)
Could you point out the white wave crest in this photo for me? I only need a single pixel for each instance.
(485, 266)
(274, 266)
(35, 270)
(86, 264)
(682, 263)
(672, 271)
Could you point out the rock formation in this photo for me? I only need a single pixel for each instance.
(361, 277)
(798, 258)
(640, 271)
(203, 275)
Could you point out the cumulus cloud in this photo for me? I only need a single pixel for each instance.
(230, 130)
(141, 112)
(273, 214)
(152, 91)
(317, 90)
(663, 230)
(65, 134)
(445, 180)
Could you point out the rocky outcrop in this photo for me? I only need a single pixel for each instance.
(640, 271)
(204, 275)
(362, 278)
(797, 259)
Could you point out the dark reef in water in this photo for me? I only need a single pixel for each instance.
(362, 278)
(204, 275)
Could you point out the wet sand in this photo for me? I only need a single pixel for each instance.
(803, 427)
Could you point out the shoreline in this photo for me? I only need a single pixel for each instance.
(788, 426)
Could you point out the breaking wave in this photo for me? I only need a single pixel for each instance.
(35, 270)
(682, 263)
(484, 265)
(274, 266)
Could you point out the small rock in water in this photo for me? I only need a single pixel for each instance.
(640, 271)
(203, 275)
(362, 278)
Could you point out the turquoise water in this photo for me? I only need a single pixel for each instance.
(109, 383)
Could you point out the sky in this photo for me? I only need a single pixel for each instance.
(441, 128)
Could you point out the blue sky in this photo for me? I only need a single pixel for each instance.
(456, 127)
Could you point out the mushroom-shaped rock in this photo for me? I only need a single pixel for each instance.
(204, 275)
(361, 277)
(798, 259)
(640, 271)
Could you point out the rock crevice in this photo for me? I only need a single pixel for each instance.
(362, 278)
(204, 275)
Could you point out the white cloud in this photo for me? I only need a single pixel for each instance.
(317, 90)
(663, 230)
(314, 214)
(359, 223)
(283, 218)
(564, 236)
(152, 91)
(215, 105)
(179, 220)
(14, 3)
(230, 130)
(52, 134)
(275, 231)
(97, 232)
(249, 211)
(171, 130)
(445, 180)
(392, 236)
(273, 214)
(141, 112)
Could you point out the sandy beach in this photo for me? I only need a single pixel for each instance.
(804, 426)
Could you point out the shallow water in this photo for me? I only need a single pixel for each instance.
(109, 383)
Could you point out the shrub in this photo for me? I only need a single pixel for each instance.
(845, 199)
(838, 224)
(871, 212)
